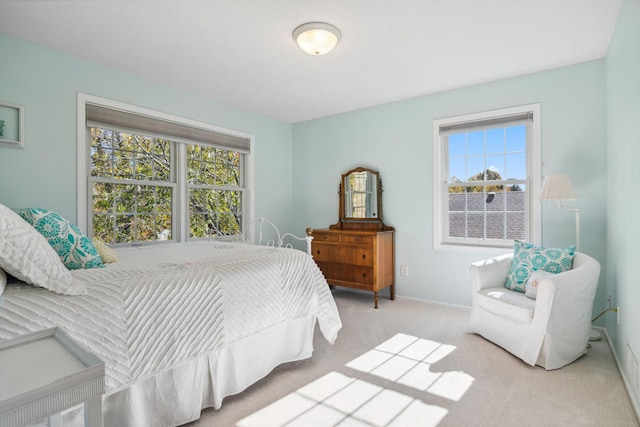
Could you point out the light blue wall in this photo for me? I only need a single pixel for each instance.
(623, 138)
(590, 130)
(396, 139)
(46, 82)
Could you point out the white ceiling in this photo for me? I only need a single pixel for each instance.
(241, 52)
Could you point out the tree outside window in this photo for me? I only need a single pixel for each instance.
(134, 182)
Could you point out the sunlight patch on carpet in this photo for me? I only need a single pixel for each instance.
(408, 360)
(338, 400)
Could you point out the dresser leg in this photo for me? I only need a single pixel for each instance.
(375, 300)
(392, 292)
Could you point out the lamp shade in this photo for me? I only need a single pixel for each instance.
(316, 38)
(558, 187)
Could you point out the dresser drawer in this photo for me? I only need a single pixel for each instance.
(326, 237)
(357, 238)
(346, 254)
(347, 274)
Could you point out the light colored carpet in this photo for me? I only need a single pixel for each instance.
(443, 376)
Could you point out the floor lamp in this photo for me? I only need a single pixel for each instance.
(560, 189)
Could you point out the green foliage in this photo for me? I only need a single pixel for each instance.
(485, 177)
(218, 210)
(137, 206)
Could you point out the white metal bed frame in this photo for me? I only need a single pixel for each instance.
(261, 240)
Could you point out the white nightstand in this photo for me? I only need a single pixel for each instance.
(44, 373)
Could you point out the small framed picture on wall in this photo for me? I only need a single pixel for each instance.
(11, 125)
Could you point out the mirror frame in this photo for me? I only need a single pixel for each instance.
(345, 222)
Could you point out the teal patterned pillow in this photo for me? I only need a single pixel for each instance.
(74, 248)
(528, 258)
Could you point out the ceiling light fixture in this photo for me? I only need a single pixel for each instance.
(316, 38)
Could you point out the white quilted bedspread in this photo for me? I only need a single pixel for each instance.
(161, 305)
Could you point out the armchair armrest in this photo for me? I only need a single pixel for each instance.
(567, 299)
(489, 273)
(574, 293)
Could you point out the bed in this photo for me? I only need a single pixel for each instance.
(180, 326)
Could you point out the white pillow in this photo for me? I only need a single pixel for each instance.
(26, 254)
(531, 287)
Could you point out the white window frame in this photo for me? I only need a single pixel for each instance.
(181, 202)
(440, 168)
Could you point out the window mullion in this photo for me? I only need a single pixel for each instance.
(182, 194)
(131, 182)
(484, 188)
(215, 187)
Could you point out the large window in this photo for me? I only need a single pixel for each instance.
(148, 176)
(486, 171)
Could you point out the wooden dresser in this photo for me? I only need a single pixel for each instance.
(361, 259)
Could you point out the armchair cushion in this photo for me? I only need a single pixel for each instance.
(528, 258)
(506, 303)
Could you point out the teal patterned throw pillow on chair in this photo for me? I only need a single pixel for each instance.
(528, 258)
(75, 249)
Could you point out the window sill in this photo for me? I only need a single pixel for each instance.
(469, 248)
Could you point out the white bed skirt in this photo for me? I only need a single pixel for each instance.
(178, 395)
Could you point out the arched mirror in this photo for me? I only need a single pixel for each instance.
(360, 194)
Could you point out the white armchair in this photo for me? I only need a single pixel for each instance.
(550, 331)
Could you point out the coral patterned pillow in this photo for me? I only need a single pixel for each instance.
(75, 249)
(528, 258)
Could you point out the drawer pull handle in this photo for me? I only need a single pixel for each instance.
(364, 256)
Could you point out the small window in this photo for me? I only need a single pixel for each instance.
(485, 168)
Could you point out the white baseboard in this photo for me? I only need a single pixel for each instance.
(430, 301)
(625, 380)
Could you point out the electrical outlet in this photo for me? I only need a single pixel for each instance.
(404, 270)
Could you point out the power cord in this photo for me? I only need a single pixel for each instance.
(596, 318)
(601, 314)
